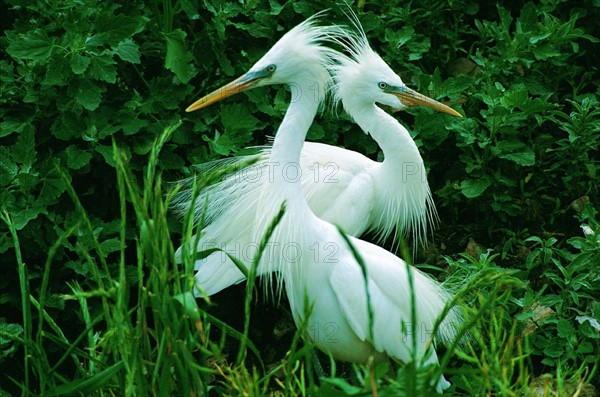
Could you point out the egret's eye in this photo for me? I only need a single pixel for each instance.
(271, 68)
(382, 85)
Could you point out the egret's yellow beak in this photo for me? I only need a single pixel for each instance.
(242, 83)
(410, 98)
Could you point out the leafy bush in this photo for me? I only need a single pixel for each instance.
(89, 87)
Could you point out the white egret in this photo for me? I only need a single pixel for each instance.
(341, 186)
(308, 254)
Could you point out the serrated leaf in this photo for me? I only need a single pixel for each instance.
(104, 126)
(275, 7)
(9, 329)
(9, 345)
(34, 45)
(516, 151)
(12, 125)
(22, 217)
(57, 72)
(79, 63)
(545, 51)
(23, 151)
(564, 328)
(237, 117)
(128, 51)
(88, 94)
(472, 188)
(110, 245)
(103, 68)
(516, 96)
(401, 36)
(190, 8)
(8, 168)
(77, 158)
(526, 157)
(133, 125)
(52, 188)
(27, 180)
(67, 126)
(220, 144)
(112, 29)
(178, 57)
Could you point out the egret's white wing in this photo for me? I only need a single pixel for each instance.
(338, 186)
(389, 292)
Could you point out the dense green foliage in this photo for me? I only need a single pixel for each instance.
(92, 121)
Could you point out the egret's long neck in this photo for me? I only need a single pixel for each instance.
(397, 145)
(404, 198)
(283, 166)
(284, 186)
(285, 154)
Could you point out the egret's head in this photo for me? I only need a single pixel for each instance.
(363, 79)
(298, 57)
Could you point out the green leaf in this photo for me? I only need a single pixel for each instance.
(34, 45)
(516, 151)
(88, 94)
(400, 37)
(190, 7)
(103, 68)
(57, 72)
(77, 158)
(472, 188)
(545, 51)
(178, 58)
(52, 188)
(526, 157)
(220, 144)
(554, 349)
(237, 117)
(128, 51)
(112, 29)
(79, 63)
(315, 133)
(585, 347)
(23, 151)
(8, 345)
(275, 7)
(110, 245)
(565, 329)
(12, 125)
(8, 168)
(10, 329)
(515, 96)
(22, 217)
(133, 125)
(67, 126)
